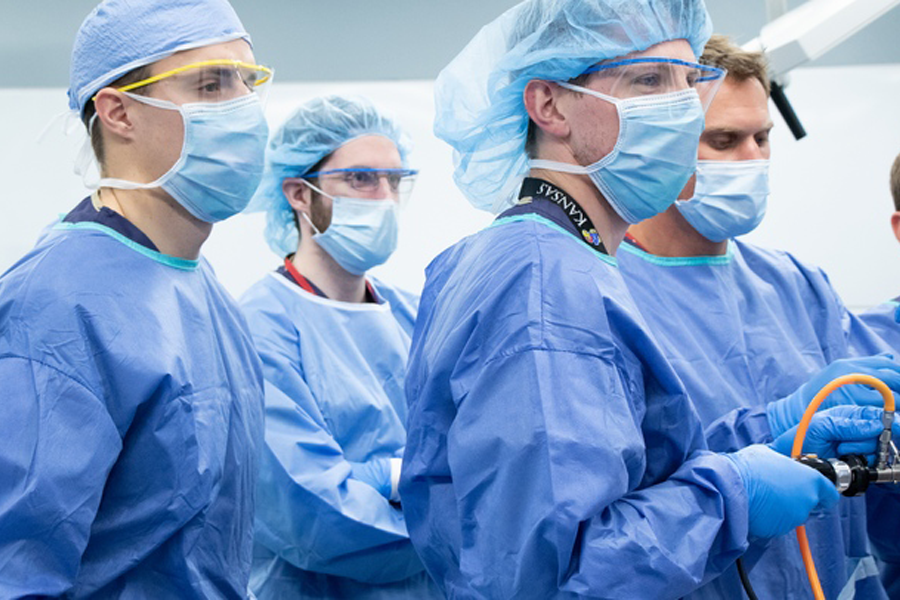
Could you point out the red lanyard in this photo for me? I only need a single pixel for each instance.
(304, 283)
(300, 280)
(633, 241)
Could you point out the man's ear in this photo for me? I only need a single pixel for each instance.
(297, 193)
(541, 99)
(112, 110)
(895, 224)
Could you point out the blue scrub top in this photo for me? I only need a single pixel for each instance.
(884, 319)
(334, 398)
(552, 451)
(742, 330)
(132, 420)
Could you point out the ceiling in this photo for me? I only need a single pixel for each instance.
(361, 40)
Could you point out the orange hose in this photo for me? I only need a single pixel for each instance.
(797, 450)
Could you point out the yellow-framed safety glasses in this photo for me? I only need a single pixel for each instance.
(209, 81)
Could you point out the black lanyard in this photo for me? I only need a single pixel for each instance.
(539, 189)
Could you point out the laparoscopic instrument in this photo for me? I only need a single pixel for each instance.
(851, 474)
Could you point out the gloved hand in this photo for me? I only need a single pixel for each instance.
(383, 474)
(787, 412)
(838, 431)
(782, 492)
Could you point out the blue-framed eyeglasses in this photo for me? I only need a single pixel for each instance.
(632, 77)
(368, 180)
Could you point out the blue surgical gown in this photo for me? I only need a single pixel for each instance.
(884, 320)
(334, 394)
(742, 330)
(552, 451)
(131, 420)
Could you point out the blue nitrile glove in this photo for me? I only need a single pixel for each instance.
(838, 431)
(375, 473)
(787, 412)
(782, 492)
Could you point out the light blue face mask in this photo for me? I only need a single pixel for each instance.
(362, 234)
(654, 156)
(222, 158)
(729, 200)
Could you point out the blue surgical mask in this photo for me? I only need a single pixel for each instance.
(362, 234)
(654, 156)
(729, 200)
(222, 158)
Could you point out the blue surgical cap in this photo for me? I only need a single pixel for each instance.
(122, 35)
(314, 131)
(478, 96)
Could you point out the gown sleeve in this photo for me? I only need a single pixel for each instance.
(554, 464)
(310, 510)
(739, 428)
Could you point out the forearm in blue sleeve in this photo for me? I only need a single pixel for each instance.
(738, 429)
(547, 455)
(312, 513)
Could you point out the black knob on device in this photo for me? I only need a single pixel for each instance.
(822, 466)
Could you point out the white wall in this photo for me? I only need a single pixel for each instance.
(41, 183)
(831, 200)
(830, 203)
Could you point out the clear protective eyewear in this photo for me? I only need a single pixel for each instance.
(210, 81)
(400, 181)
(647, 76)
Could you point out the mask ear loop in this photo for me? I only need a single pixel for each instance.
(315, 189)
(86, 163)
(68, 117)
(306, 216)
(308, 220)
(84, 159)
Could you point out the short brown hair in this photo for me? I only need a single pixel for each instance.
(90, 110)
(721, 52)
(895, 182)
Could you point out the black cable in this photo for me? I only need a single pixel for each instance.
(745, 581)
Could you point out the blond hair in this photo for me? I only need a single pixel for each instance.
(721, 52)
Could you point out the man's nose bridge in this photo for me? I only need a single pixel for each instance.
(749, 149)
(384, 184)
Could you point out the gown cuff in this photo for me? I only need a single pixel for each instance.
(396, 464)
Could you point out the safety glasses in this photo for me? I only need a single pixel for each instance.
(400, 181)
(655, 75)
(209, 81)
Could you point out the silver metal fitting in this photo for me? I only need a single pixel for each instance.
(884, 442)
(843, 475)
(888, 475)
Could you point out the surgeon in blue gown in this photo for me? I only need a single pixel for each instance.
(552, 451)
(885, 318)
(132, 393)
(334, 343)
(744, 326)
